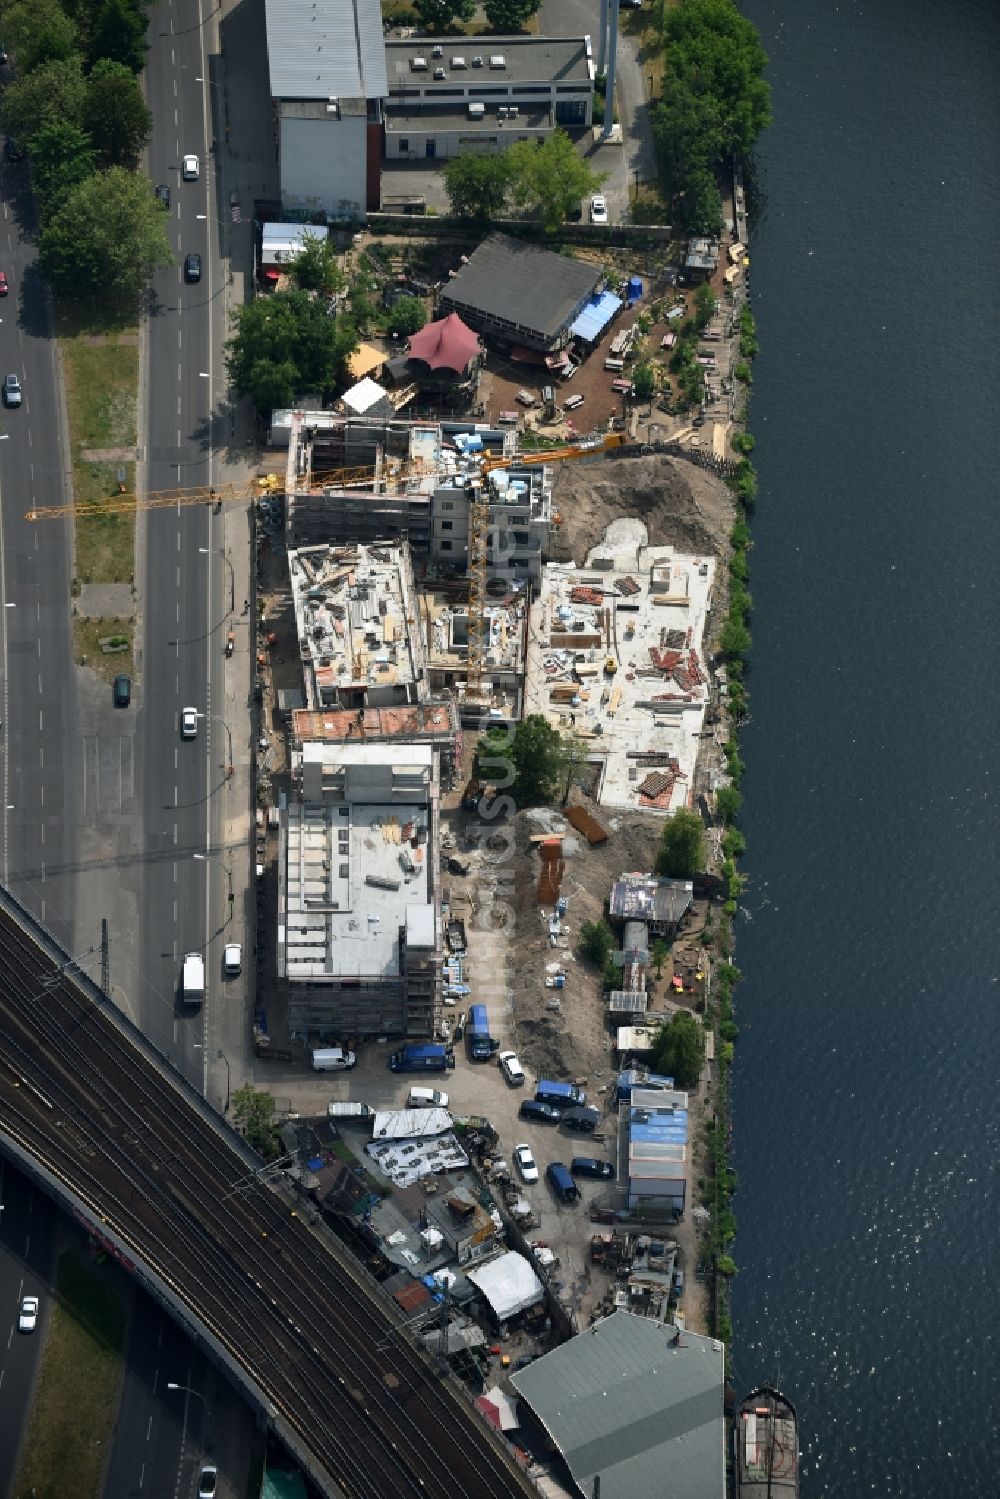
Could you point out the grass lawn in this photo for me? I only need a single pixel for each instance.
(101, 384)
(87, 651)
(76, 1404)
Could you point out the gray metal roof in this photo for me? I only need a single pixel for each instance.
(624, 1402)
(318, 49)
(523, 284)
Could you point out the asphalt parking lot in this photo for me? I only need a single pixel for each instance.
(480, 1088)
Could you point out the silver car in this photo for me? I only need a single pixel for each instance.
(11, 391)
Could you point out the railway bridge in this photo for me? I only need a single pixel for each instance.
(116, 1136)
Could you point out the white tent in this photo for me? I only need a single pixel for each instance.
(410, 1124)
(508, 1283)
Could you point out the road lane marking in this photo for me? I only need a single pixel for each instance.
(41, 724)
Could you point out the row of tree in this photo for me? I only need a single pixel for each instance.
(715, 103)
(546, 179)
(442, 16)
(76, 106)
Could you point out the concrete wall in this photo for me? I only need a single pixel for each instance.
(458, 142)
(324, 165)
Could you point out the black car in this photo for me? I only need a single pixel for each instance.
(163, 193)
(588, 1165)
(584, 1120)
(541, 1113)
(14, 152)
(122, 690)
(192, 268)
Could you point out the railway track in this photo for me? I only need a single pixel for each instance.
(307, 1327)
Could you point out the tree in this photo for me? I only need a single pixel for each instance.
(116, 115)
(407, 316)
(285, 347)
(441, 15)
(254, 1116)
(509, 16)
(679, 1049)
(119, 33)
(548, 177)
(705, 305)
(53, 94)
(107, 239)
(718, 52)
(38, 31)
(682, 846)
(728, 802)
(658, 955)
(315, 267)
(478, 187)
(596, 943)
(61, 158)
(644, 380)
(534, 755)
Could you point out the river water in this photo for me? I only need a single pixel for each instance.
(866, 1081)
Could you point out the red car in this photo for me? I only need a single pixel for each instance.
(3, 285)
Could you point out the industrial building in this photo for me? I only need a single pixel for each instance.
(328, 84)
(518, 294)
(655, 1123)
(635, 1407)
(359, 946)
(451, 95)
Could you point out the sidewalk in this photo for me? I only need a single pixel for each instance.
(245, 170)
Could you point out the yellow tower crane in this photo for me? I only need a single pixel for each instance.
(219, 494)
(479, 525)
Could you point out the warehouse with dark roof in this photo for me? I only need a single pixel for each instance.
(516, 293)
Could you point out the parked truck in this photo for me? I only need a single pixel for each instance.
(193, 979)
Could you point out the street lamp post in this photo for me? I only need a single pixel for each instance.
(224, 1058)
(218, 552)
(214, 859)
(229, 738)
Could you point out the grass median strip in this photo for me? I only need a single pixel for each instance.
(101, 376)
(73, 1418)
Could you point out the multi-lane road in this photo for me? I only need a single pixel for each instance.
(37, 704)
(28, 1226)
(187, 590)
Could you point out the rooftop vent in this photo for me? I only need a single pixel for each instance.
(418, 65)
(497, 60)
(458, 62)
(437, 51)
(477, 62)
(477, 111)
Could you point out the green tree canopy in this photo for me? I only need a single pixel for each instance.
(115, 115)
(253, 1113)
(440, 15)
(682, 846)
(315, 267)
(61, 157)
(658, 955)
(679, 1049)
(118, 32)
(715, 102)
(644, 380)
(478, 187)
(408, 316)
(549, 178)
(106, 240)
(286, 346)
(535, 757)
(509, 16)
(728, 801)
(596, 943)
(53, 94)
(38, 31)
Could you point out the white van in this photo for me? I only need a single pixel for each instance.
(426, 1098)
(332, 1059)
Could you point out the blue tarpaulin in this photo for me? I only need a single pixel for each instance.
(595, 317)
(634, 289)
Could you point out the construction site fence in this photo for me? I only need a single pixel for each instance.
(445, 226)
(726, 468)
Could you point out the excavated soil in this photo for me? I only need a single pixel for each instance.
(681, 504)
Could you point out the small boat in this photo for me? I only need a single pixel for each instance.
(766, 1443)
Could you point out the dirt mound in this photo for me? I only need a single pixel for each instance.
(680, 504)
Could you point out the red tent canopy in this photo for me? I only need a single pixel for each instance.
(445, 345)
